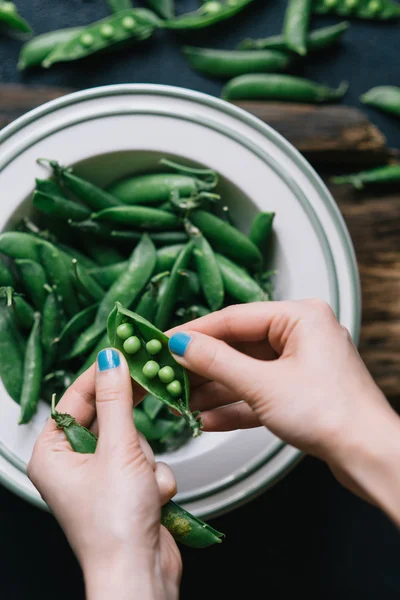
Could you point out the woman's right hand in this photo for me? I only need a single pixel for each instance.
(298, 373)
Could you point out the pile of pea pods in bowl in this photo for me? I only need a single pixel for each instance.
(113, 140)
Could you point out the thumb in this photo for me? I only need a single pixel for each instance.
(215, 360)
(114, 401)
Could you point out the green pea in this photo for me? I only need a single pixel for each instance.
(87, 40)
(129, 23)
(124, 331)
(374, 7)
(151, 369)
(132, 345)
(153, 347)
(107, 31)
(9, 8)
(350, 4)
(166, 374)
(175, 388)
(212, 7)
(330, 3)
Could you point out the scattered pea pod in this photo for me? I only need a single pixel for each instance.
(33, 371)
(132, 335)
(378, 175)
(237, 281)
(281, 87)
(261, 229)
(230, 63)
(318, 39)
(362, 9)
(9, 18)
(17, 244)
(184, 527)
(34, 52)
(141, 217)
(209, 13)
(384, 97)
(296, 25)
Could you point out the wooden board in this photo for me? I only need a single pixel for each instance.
(328, 136)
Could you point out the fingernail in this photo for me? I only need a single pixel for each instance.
(179, 342)
(108, 359)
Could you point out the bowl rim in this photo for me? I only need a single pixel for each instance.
(236, 112)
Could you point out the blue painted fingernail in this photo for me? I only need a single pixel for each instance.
(179, 342)
(108, 359)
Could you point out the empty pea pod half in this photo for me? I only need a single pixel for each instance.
(281, 87)
(384, 97)
(230, 63)
(362, 9)
(183, 526)
(150, 362)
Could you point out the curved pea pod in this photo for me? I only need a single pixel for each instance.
(261, 229)
(34, 52)
(24, 313)
(377, 176)
(86, 284)
(60, 207)
(155, 188)
(51, 327)
(230, 63)
(146, 332)
(238, 283)
(184, 527)
(75, 325)
(10, 18)
(166, 257)
(318, 39)
(147, 305)
(188, 529)
(125, 289)
(108, 274)
(123, 26)
(12, 349)
(227, 239)
(168, 298)
(362, 9)
(296, 25)
(281, 87)
(7, 278)
(384, 97)
(140, 217)
(210, 13)
(59, 275)
(34, 279)
(32, 377)
(18, 244)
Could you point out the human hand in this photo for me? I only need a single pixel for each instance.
(298, 373)
(109, 503)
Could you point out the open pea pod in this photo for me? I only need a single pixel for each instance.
(145, 331)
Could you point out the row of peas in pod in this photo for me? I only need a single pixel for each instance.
(92, 267)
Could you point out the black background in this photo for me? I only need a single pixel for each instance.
(306, 536)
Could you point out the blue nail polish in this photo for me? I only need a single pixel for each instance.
(179, 342)
(108, 359)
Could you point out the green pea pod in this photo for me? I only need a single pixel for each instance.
(51, 327)
(125, 289)
(238, 283)
(24, 313)
(376, 176)
(189, 286)
(184, 527)
(152, 430)
(49, 187)
(34, 52)
(163, 8)
(167, 256)
(195, 311)
(160, 238)
(7, 278)
(288, 88)
(362, 9)
(33, 370)
(117, 6)
(384, 97)
(102, 254)
(147, 305)
(86, 284)
(208, 177)
(75, 326)
(210, 13)
(152, 406)
(318, 39)
(34, 279)
(227, 239)
(88, 193)
(140, 217)
(261, 229)
(168, 299)
(17, 244)
(60, 207)
(296, 25)
(85, 261)
(59, 275)
(10, 18)
(207, 267)
(146, 332)
(225, 64)
(111, 31)
(108, 274)
(12, 348)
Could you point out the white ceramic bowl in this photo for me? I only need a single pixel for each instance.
(113, 131)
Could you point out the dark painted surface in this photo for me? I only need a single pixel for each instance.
(313, 537)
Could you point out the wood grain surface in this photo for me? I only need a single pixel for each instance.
(329, 136)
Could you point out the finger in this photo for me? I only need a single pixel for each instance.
(217, 361)
(166, 482)
(114, 402)
(212, 395)
(78, 401)
(229, 418)
(147, 451)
